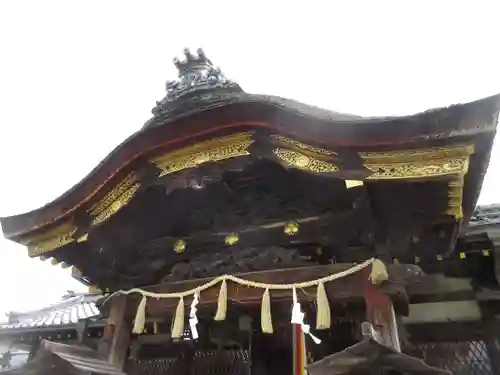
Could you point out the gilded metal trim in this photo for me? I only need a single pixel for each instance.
(292, 143)
(82, 238)
(50, 240)
(349, 184)
(298, 160)
(204, 152)
(116, 205)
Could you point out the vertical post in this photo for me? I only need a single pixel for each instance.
(116, 337)
(35, 344)
(380, 313)
(81, 330)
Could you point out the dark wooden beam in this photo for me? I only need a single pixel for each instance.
(342, 290)
(439, 288)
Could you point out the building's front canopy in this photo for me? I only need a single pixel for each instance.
(280, 182)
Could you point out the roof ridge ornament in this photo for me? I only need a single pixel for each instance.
(196, 72)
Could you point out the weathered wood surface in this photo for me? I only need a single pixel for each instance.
(369, 356)
(121, 336)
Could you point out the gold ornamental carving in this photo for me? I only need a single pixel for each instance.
(418, 163)
(455, 196)
(114, 195)
(51, 240)
(418, 155)
(295, 159)
(292, 143)
(204, 152)
(408, 170)
(116, 205)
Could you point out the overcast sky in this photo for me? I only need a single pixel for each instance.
(78, 77)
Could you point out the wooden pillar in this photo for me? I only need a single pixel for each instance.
(380, 313)
(34, 348)
(81, 330)
(115, 340)
(121, 337)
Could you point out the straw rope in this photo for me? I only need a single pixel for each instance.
(249, 283)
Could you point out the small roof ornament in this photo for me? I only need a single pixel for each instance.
(196, 73)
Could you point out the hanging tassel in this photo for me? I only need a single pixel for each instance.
(193, 319)
(266, 321)
(298, 318)
(379, 272)
(140, 317)
(323, 317)
(222, 302)
(178, 324)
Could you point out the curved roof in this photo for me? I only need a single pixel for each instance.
(68, 311)
(203, 104)
(485, 215)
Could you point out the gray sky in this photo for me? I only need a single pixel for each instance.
(77, 78)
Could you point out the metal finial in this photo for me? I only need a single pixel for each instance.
(189, 55)
(200, 52)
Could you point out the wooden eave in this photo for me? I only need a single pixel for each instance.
(474, 122)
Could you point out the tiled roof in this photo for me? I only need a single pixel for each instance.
(484, 215)
(67, 312)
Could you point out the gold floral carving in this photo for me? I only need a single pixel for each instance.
(298, 160)
(116, 205)
(113, 195)
(432, 168)
(50, 240)
(204, 152)
(298, 145)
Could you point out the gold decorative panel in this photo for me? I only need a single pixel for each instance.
(418, 155)
(114, 194)
(298, 145)
(424, 163)
(455, 196)
(204, 152)
(50, 240)
(418, 163)
(298, 160)
(433, 168)
(117, 204)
